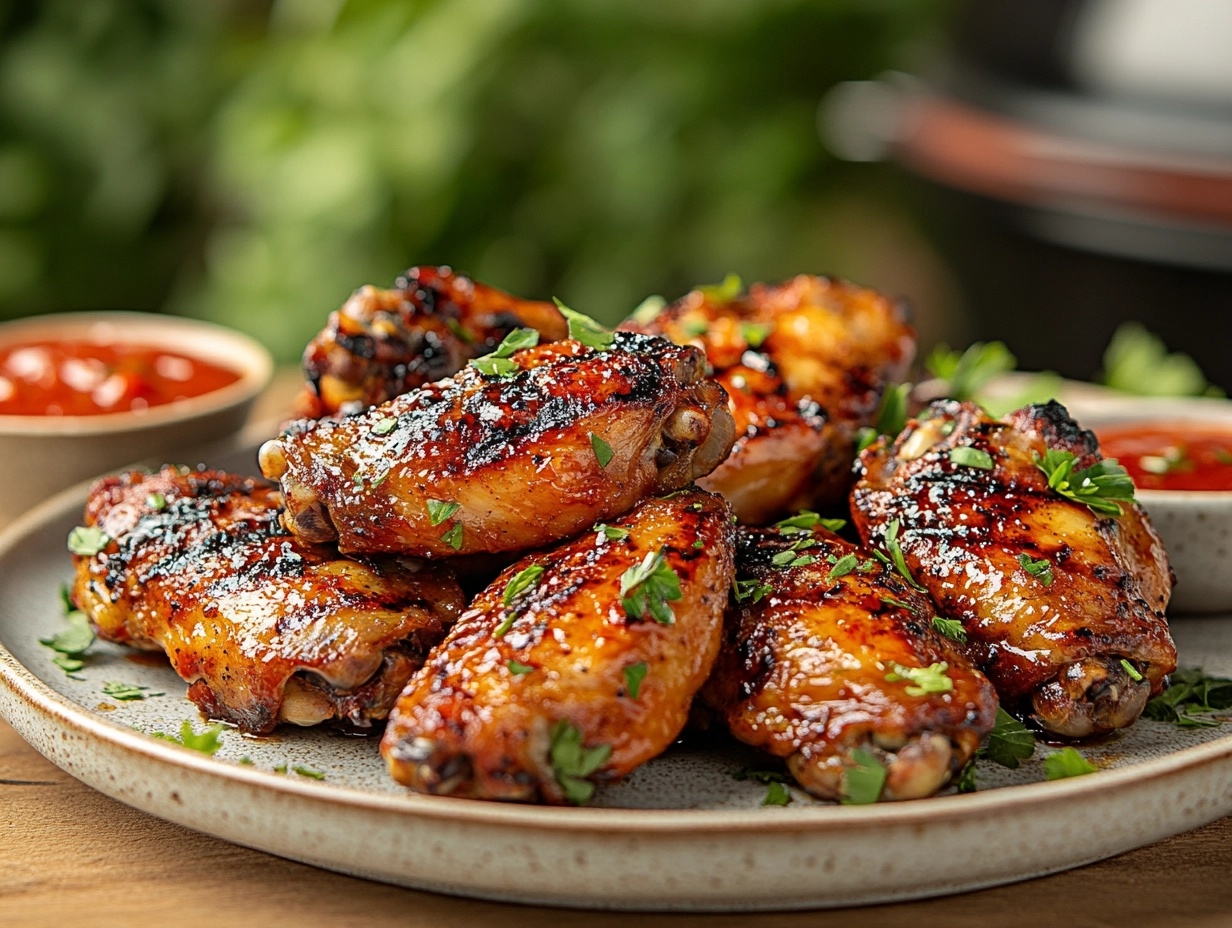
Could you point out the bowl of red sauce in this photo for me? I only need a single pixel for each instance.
(82, 393)
(1179, 454)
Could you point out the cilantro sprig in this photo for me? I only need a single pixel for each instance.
(1009, 742)
(1191, 695)
(1102, 487)
(647, 587)
(572, 763)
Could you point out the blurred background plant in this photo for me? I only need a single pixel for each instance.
(254, 162)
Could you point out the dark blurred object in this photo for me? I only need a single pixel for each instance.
(1076, 158)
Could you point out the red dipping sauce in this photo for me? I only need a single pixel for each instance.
(1163, 456)
(83, 378)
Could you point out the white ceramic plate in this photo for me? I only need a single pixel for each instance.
(680, 833)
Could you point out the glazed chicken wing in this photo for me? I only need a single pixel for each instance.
(828, 655)
(263, 627)
(804, 364)
(484, 463)
(383, 343)
(576, 665)
(1064, 606)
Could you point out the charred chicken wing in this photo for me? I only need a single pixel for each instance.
(383, 343)
(833, 662)
(263, 627)
(484, 462)
(576, 665)
(804, 364)
(1018, 529)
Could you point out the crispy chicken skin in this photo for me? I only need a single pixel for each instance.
(383, 343)
(479, 463)
(478, 719)
(804, 364)
(803, 670)
(1054, 643)
(264, 628)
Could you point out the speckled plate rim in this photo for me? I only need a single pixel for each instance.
(1202, 773)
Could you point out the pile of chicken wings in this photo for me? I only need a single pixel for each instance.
(531, 546)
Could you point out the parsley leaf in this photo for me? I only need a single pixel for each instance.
(971, 457)
(612, 532)
(1040, 570)
(634, 675)
(517, 668)
(755, 333)
(647, 587)
(804, 521)
(309, 772)
(495, 367)
(498, 363)
(156, 501)
(950, 628)
(891, 416)
(863, 782)
(207, 742)
(1009, 741)
(896, 553)
(648, 310)
(440, 510)
(71, 644)
(750, 591)
(1136, 361)
(87, 540)
(923, 680)
(776, 795)
(385, 426)
(572, 762)
(1065, 763)
(966, 779)
(584, 329)
(453, 537)
(603, 451)
(725, 292)
(1098, 487)
(126, 692)
(843, 566)
(519, 583)
(967, 372)
(1191, 691)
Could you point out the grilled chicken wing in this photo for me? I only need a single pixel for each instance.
(383, 343)
(579, 674)
(479, 463)
(1064, 607)
(263, 627)
(818, 662)
(804, 364)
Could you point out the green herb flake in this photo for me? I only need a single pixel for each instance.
(891, 416)
(603, 451)
(966, 373)
(71, 643)
(843, 566)
(68, 664)
(864, 781)
(156, 501)
(922, 680)
(755, 334)
(206, 742)
(724, 292)
(309, 772)
(1009, 742)
(453, 537)
(648, 310)
(584, 329)
(87, 540)
(1101, 487)
(245, 761)
(441, 510)
(965, 783)
(1190, 692)
(1041, 570)
(897, 603)
(750, 591)
(1066, 763)
(385, 426)
(896, 553)
(517, 668)
(573, 763)
(692, 328)
(634, 675)
(647, 587)
(466, 336)
(523, 580)
(1133, 672)
(971, 457)
(698, 544)
(776, 795)
(950, 628)
(805, 521)
(126, 692)
(1137, 361)
(495, 367)
(280, 768)
(612, 532)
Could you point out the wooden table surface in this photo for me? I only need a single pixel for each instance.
(70, 856)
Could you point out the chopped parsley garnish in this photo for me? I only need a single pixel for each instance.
(572, 762)
(750, 591)
(648, 310)
(309, 772)
(843, 566)
(385, 426)
(864, 781)
(603, 451)
(923, 680)
(699, 543)
(499, 363)
(966, 779)
(634, 675)
(966, 373)
(891, 416)
(441, 510)
(87, 540)
(971, 457)
(1099, 487)
(1041, 570)
(1133, 671)
(776, 795)
(207, 742)
(1191, 691)
(896, 553)
(522, 581)
(71, 644)
(647, 587)
(517, 668)
(792, 558)
(755, 333)
(1065, 763)
(1009, 741)
(1136, 361)
(453, 537)
(804, 522)
(692, 328)
(126, 692)
(725, 292)
(950, 628)
(612, 532)
(156, 501)
(584, 329)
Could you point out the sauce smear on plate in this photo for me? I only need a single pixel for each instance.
(1163, 456)
(82, 378)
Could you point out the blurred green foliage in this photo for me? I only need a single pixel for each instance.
(253, 163)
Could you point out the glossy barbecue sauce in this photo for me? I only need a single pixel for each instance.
(80, 378)
(1161, 456)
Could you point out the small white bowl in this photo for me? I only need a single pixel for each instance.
(1195, 525)
(40, 455)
